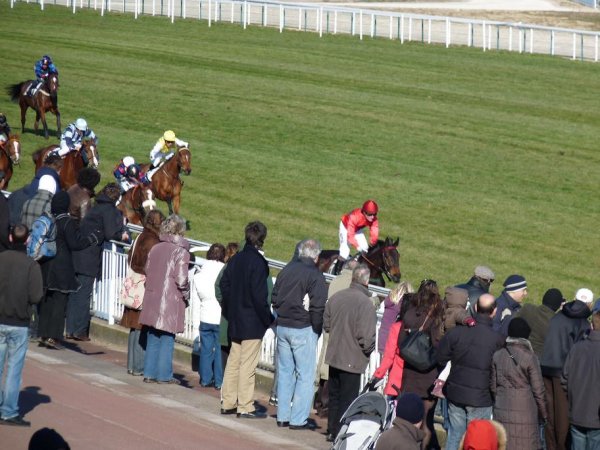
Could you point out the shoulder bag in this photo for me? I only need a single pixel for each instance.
(416, 349)
(132, 291)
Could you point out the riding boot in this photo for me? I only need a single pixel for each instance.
(85, 158)
(339, 263)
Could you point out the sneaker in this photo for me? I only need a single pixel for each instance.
(16, 421)
(53, 343)
(273, 400)
(171, 381)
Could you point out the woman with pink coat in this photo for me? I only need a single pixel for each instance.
(165, 299)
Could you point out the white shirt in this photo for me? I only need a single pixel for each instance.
(204, 289)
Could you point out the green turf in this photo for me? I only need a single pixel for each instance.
(475, 158)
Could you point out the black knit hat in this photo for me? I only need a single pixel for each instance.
(515, 283)
(410, 407)
(553, 298)
(60, 203)
(518, 328)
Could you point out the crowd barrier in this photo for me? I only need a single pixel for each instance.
(322, 18)
(106, 304)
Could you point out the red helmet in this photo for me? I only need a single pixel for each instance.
(370, 207)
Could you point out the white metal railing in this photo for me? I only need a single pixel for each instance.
(330, 19)
(106, 304)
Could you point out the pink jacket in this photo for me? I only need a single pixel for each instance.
(167, 286)
(355, 221)
(392, 362)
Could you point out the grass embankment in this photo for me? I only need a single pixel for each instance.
(475, 158)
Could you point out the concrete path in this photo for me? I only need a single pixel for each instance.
(86, 395)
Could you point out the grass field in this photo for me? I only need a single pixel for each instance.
(475, 158)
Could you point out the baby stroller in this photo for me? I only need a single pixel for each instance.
(364, 421)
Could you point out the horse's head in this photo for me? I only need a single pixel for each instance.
(384, 257)
(13, 148)
(91, 150)
(52, 85)
(184, 160)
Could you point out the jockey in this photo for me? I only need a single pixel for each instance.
(351, 227)
(72, 138)
(4, 129)
(163, 150)
(43, 68)
(128, 174)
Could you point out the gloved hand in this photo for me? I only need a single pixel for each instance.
(469, 321)
(373, 382)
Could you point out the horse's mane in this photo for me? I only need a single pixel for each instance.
(36, 155)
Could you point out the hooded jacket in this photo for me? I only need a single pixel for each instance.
(167, 285)
(506, 308)
(566, 328)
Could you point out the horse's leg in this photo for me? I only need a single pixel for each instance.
(176, 202)
(170, 205)
(57, 113)
(23, 105)
(43, 117)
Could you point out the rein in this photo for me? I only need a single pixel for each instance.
(383, 267)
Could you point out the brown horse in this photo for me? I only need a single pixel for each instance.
(10, 154)
(45, 99)
(136, 202)
(166, 183)
(382, 258)
(73, 161)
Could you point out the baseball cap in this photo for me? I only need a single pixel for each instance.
(584, 295)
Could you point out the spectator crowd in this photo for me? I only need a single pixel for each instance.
(533, 368)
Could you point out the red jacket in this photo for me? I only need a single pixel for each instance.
(355, 221)
(391, 362)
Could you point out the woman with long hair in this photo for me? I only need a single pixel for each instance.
(391, 304)
(425, 311)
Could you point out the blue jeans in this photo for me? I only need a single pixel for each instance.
(158, 361)
(78, 307)
(585, 438)
(13, 347)
(211, 368)
(459, 416)
(136, 350)
(296, 365)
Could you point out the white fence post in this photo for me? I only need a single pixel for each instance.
(280, 18)
(245, 6)
(531, 40)
(335, 24)
(483, 35)
(360, 27)
(429, 33)
(321, 22)
(210, 13)
(574, 46)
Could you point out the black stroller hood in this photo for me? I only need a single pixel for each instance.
(370, 405)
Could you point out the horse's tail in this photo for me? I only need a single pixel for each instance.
(14, 90)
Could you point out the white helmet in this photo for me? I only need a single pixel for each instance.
(81, 124)
(128, 160)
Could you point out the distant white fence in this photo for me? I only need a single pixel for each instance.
(106, 305)
(327, 19)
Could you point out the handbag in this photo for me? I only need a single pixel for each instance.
(416, 349)
(132, 291)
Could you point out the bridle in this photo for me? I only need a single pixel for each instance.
(384, 268)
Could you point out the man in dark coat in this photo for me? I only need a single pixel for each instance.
(245, 305)
(566, 328)
(299, 297)
(20, 289)
(478, 285)
(470, 349)
(580, 378)
(106, 222)
(538, 318)
(509, 302)
(350, 319)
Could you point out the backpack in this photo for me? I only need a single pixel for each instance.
(42, 238)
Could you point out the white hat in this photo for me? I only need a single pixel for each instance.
(47, 183)
(584, 295)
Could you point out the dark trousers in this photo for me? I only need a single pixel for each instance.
(557, 428)
(78, 308)
(343, 389)
(52, 315)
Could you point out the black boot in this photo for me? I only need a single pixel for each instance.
(339, 263)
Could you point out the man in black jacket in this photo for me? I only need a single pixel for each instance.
(106, 222)
(20, 288)
(567, 327)
(245, 305)
(470, 350)
(580, 379)
(299, 297)
(478, 285)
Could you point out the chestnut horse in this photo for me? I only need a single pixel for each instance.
(136, 202)
(10, 154)
(73, 161)
(382, 258)
(45, 99)
(166, 183)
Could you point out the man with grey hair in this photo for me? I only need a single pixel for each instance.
(478, 285)
(350, 319)
(298, 299)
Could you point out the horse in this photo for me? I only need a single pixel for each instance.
(166, 183)
(136, 202)
(382, 258)
(45, 99)
(73, 161)
(10, 154)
